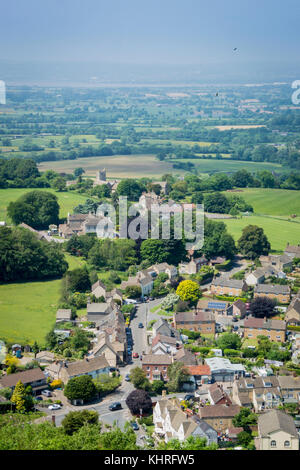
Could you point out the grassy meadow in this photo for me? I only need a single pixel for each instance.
(279, 232)
(281, 202)
(28, 310)
(67, 200)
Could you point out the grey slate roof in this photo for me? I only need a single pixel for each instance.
(276, 420)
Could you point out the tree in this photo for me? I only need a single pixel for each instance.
(80, 388)
(19, 397)
(59, 183)
(74, 420)
(78, 172)
(139, 379)
(38, 209)
(244, 419)
(253, 242)
(229, 341)
(244, 438)
(139, 401)
(118, 440)
(35, 348)
(262, 307)
(130, 188)
(133, 292)
(154, 251)
(177, 374)
(189, 291)
(78, 280)
(216, 202)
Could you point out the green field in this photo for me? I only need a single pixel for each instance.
(67, 200)
(279, 232)
(282, 202)
(226, 165)
(28, 311)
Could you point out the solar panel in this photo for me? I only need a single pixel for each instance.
(217, 305)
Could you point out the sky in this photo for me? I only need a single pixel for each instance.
(145, 32)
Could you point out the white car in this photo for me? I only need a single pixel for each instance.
(54, 407)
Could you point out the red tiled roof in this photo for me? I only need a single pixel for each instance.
(199, 370)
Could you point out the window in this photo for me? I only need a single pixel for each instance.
(273, 443)
(287, 443)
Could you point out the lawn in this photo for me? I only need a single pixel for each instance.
(279, 232)
(226, 165)
(67, 200)
(281, 202)
(249, 342)
(28, 311)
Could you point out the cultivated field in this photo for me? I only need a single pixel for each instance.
(67, 200)
(138, 166)
(28, 311)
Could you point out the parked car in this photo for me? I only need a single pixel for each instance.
(135, 355)
(141, 325)
(134, 426)
(46, 393)
(127, 378)
(115, 406)
(189, 397)
(234, 319)
(39, 398)
(54, 407)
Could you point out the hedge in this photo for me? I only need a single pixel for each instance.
(7, 406)
(293, 328)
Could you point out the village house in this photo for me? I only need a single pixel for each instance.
(282, 293)
(219, 417)
(292, 316)
(45, 357)
(199, 374)
(164, 268)
(214, 306)
(275, 330)
(93, 366)
(276, 431)
(259, 392)
(278, 262)
(99, 290)
(293, 251)
(97, 311)
(63, 314)
(202, 322)
(222, 370)
(33, 377)
(238, 308)
(290, 388)
(217, 395)
(186, 357)
(142, 279)
(156, 366)
(193, 266)
(172, 423)
(165, 345)
(83, 224)
(231, 287)
(255, 277)
(162, 327)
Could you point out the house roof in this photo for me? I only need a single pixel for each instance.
(26, 377)
(186, 357)
(221, 363)
(225, 282)
(276, 420)
(240, 305)
(98, 284)
(101, 307)
(86, 365)
(199, 370)
(164, 339)
(156, 359)
(217, 393)
(276, 289)
(288, 381)
(46, 354)
(63, 313)
(293, 249)
(195, 315)
(266, 324)
(219, 411)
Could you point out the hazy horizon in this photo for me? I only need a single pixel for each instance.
(138, 41)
